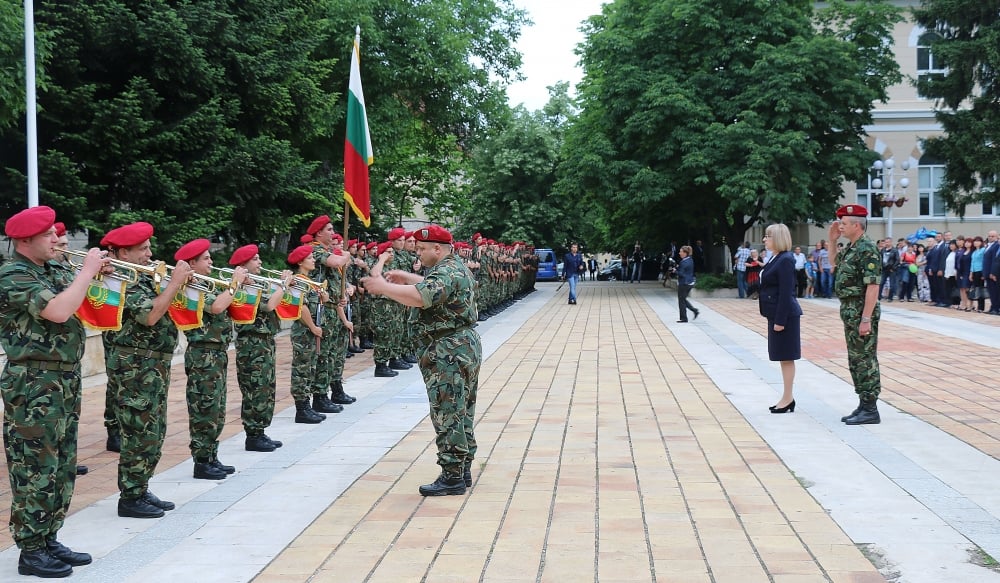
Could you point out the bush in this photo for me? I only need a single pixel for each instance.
(713, 281)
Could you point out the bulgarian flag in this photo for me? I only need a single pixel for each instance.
(103, 307)
(290, 307)
(243, 309)
(358, 154)
(186, 309)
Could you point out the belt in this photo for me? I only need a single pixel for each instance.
(48, 365)
(254, 333)
(211, 345)
(143, 353)
(439, 334)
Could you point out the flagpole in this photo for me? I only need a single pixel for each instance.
(347, 220)
(30, 110)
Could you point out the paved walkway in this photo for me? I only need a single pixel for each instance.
(615, 445)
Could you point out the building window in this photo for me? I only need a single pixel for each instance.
(868, 196)
(989, 184)
(926, 63)
(931, 173)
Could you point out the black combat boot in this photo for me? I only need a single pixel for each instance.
(398, 364)
(348, 354)
(868, 415)
(65, 554)
(41, 563)
(382, 370)
(467, 473)
(138, 508)
(274, 442)
(323, 404)
(367, 344)
(82, 470)
(206, 471)
(259, 443)
(337, 394)
(410, 358)
(445, 485)
(114, 442)
(305, 414)
(219, 465)
(854, 412)
(155, 501)
(355, 348)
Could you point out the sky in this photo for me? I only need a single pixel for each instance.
(547, 48)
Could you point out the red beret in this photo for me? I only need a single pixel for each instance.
(396, 233)
(477, 236)
(128, 235)
(352, 243)
(60, 229)
(192, 250)
(433, 234)
(338, 237)
(243, 254)
(852, 210)
(306, 239)
(408, 234)
(299, 254)
(372, 245)
(318, 224)
(383, 246)
(30, 222)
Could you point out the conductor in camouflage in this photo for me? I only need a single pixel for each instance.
(859, 269)
(450, 351)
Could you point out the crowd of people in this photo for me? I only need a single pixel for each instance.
(409, 298)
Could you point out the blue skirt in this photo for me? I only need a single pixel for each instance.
(787, 344)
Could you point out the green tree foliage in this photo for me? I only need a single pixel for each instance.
(11, 62)
(707, 116)
(968, 49)
(513, 174)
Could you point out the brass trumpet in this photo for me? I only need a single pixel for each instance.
(258, 280)
(299, 282)
(207, 283)
(124, 270)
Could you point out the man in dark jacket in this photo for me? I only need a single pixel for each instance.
(572, 264)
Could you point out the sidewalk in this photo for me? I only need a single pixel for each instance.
(615, 445)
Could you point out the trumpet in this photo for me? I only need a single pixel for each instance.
(299, 282)
(257, 280)
(207, 283)
(123, 269)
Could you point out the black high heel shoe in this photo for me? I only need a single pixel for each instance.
(789, 408)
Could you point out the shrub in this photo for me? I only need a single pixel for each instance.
(713, 281)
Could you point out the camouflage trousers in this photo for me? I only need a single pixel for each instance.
(450, 367)
(110, 392)
(255, 372)
(862, 351)
(41, 419)
(384, 327)
(206, 369)
(332, 352)
(141, 407)
(304, 357)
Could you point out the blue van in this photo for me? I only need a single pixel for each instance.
(547, 270)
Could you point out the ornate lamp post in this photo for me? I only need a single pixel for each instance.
(887, 170)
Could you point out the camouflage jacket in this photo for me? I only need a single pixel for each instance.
(858, 266)
(447, 293)
(215, 327)
(265, 322)
(328, 274)
(135, 333)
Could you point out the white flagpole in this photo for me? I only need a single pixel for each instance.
(29, 59)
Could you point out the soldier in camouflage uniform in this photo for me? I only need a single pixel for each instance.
(138, 365)
(450, 354)
(255, 355)
(41, 388)
(859, 269)
(399, 314)
(206, 362)
(306, 335)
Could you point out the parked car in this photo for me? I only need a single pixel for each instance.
(559, 269)
(547, 270)
(610, 272)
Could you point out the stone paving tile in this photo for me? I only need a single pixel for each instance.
(605, 453)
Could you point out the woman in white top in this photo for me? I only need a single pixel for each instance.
(950, 271)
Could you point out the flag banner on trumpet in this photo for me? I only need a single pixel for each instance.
(186, 309)
(290, 307)
(246, 299)
(103, 307)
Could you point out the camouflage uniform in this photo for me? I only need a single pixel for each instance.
(255, 368)
(41, 395)
(333, 345)
(111, 390)
(399, 328)
(138, 365)
(206, 363)
(450, 357)
(859, 265)
(304, 352)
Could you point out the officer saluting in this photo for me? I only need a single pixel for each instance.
(41, 387)
(450, 349)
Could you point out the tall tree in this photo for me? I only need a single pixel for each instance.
(715, 114)
(966, 49)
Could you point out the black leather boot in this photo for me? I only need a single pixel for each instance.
(206, 471)
(467, 474)
(41, 563)
(367, 344)
(445, 485)
(305, 414)
(398, 364)
(219, 465)
(66, 555)
(868, 415)
(155, 501)
(82, 470)
(410, 358)
(323, 404)
(258, 443)
(337, 394)
(114, 442)
(355, 349)
(854, 412)
(382, 370)
(138, 508)
(274, 442)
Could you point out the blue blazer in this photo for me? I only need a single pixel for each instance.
(777, 289)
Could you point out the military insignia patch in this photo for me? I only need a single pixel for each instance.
(871, 266)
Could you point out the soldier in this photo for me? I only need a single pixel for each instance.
(383, 313)
(206, 362)
(450, 353)
(401, 260)
(255, 355)
(306, 335)
(41, 388)
(138, 366)
(859, 269)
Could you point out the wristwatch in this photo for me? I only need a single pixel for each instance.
(865, 319)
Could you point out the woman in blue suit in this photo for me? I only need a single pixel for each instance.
(779, 306)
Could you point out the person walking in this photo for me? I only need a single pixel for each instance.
(778, 303)
(685, 283)
(572, 264)
(740, 259)
(636, 264)
(859, 270)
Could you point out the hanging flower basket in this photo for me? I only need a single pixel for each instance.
(900, 201)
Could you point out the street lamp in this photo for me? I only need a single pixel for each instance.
(887, 199)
